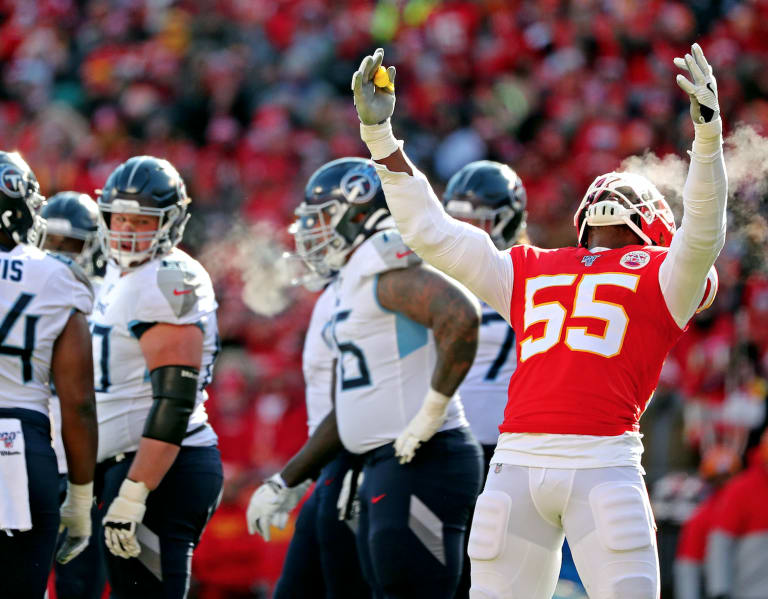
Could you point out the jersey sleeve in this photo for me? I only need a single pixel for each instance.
(697, 243)
(69, 285)
(181, 293)
(460, 250)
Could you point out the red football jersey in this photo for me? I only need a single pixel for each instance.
(592, 333)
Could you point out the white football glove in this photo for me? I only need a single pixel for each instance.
(271, 504)
(76, 519)
(374, 104)
(123, 516)
(703, 90)
(422, 426)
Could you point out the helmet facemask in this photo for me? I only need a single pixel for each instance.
(626, 199)
(318, 243)
(170, 229)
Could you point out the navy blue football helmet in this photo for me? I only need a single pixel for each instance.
(343, 205)
(151, 187)
(75, 215)
(491, 196)
(20, 200)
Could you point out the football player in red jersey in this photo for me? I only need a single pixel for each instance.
(593, 325)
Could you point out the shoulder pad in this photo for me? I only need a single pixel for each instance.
(178, 286)
(75, 268)
(392, 250)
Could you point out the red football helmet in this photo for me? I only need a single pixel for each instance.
(626, 199)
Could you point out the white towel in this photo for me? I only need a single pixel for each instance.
(14, 488)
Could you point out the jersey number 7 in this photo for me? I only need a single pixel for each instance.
(553, 315)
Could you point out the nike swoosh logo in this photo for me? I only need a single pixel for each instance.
(403, 254)
(185, 292)
(378, 498)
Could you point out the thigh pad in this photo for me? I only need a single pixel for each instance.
(489, 525)
(622, 515)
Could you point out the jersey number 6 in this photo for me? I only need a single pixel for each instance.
(553, 315)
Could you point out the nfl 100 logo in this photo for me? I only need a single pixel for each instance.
(7, 438)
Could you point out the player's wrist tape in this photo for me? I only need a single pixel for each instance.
(133, 490)
(80, 495)
(435, 402)
(379, 138)
(174, 389)
(708, 137)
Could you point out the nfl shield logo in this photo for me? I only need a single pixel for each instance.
(8, 438)
(590, 259)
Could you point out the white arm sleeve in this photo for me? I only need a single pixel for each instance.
(701, 236)
(459, 249)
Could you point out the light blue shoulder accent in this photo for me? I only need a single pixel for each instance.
(410, 335)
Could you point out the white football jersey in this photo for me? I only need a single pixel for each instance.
(174, 289)
(317, 360)
(37, 295)
(484, 390)
(385, 360)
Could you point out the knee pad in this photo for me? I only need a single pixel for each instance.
(475, 593)
(634, 587)
(489, 526)
(622, 516)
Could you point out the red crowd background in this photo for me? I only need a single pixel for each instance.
(247, 97)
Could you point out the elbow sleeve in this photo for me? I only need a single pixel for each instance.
(174, 389)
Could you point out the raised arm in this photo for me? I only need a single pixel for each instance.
(701, 236)
(464, 252)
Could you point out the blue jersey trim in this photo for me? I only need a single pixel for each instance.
(410, 335)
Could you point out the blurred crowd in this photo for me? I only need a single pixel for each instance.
(248, 97)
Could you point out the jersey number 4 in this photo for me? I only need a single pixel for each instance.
(30, 322)
(554, 315)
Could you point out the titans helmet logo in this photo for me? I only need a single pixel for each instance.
(12, 182)
(359, 186)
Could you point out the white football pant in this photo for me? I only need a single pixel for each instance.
(524, 513)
